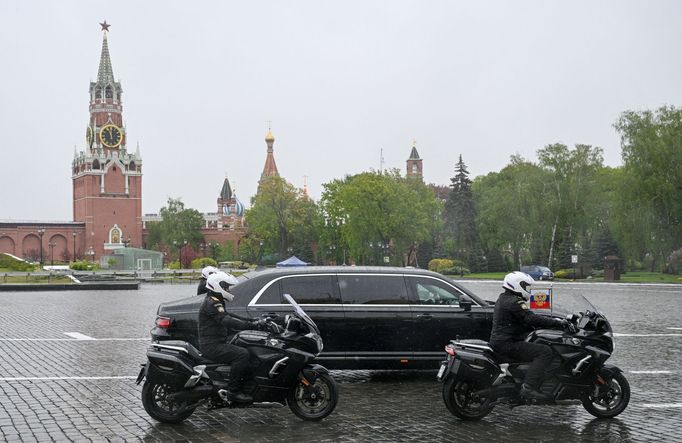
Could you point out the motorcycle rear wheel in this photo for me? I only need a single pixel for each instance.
(158, 407)
(458, 398)
(317, 405)
(613, 401)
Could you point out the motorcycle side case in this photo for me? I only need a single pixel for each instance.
(173, 369)
(475, 366)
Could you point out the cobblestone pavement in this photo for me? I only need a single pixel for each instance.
(57, 387)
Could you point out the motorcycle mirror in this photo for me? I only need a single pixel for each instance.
(465, 303)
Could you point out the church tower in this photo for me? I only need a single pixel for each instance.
(107, 177)
(230, 209)
(414, 163)
(270, 168)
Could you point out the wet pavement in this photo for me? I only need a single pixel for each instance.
(55, 386)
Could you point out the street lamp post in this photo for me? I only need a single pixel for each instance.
(332, 252)
(260, 252)
(41, 232)
(52, 245)
(74, 246)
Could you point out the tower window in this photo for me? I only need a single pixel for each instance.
(414, 168)
(108, 92)
(98, 92)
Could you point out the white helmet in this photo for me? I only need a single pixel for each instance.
(518, 282)
(208, 270)
(220, 282)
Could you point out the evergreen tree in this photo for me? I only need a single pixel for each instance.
(460, 217)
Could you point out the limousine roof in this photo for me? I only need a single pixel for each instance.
(336, 270)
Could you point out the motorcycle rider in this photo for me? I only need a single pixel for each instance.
(512, 320)
(208, 270)
(216, 324)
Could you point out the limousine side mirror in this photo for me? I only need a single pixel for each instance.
(465, 303)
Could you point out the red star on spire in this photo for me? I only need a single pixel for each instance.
(105, 26)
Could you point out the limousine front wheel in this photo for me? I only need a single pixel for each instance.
(316, 401)
(461, 401)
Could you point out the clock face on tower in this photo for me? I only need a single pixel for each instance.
(111, 136)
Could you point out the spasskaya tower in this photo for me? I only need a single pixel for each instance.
(107, 177)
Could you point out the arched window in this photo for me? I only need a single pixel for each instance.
(109, 93)
(131, 166)
(414, 168)
(98, 92)
(95, 164)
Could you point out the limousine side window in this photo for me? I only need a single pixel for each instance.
(311, 290)
(431, 291)
(270, 296)
(373, 289)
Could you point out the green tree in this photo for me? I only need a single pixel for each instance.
(375, 214)
(652, 154)
(283, 218)
(460, 219)
(177, 226)
(573, 202)
(510, 210)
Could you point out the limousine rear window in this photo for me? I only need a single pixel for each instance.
(373, 289)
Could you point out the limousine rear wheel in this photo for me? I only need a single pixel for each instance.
(159, 407)
(462, 402)
(314, 402)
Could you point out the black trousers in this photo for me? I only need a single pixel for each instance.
(237, 357)
(539, 355)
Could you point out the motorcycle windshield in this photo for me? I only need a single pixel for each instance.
(574, 303)
(300, 313)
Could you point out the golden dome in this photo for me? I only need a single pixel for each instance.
(269, 137)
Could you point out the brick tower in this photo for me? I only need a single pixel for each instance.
(107, 178)
(414, 163)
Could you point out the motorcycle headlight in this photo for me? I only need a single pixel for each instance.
(318, 341)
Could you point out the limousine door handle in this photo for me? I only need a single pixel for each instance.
(425, 316)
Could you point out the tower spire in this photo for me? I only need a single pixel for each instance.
(105, 75)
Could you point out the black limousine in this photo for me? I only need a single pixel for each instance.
(369, 317)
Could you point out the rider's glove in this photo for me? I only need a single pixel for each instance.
(570, 327)
(259, 324)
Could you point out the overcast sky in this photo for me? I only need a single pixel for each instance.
(338, 80)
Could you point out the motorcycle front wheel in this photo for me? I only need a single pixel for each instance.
(611, 400)
(155, 402)
(314, 402)
(461, 402)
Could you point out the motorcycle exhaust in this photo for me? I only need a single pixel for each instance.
(192, 395)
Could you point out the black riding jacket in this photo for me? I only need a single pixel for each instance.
(513, 319)
(215, 323)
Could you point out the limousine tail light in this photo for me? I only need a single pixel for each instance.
(450, 350)
(163, 322)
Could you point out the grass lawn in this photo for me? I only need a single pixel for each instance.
(629, 277)
(34, 279)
